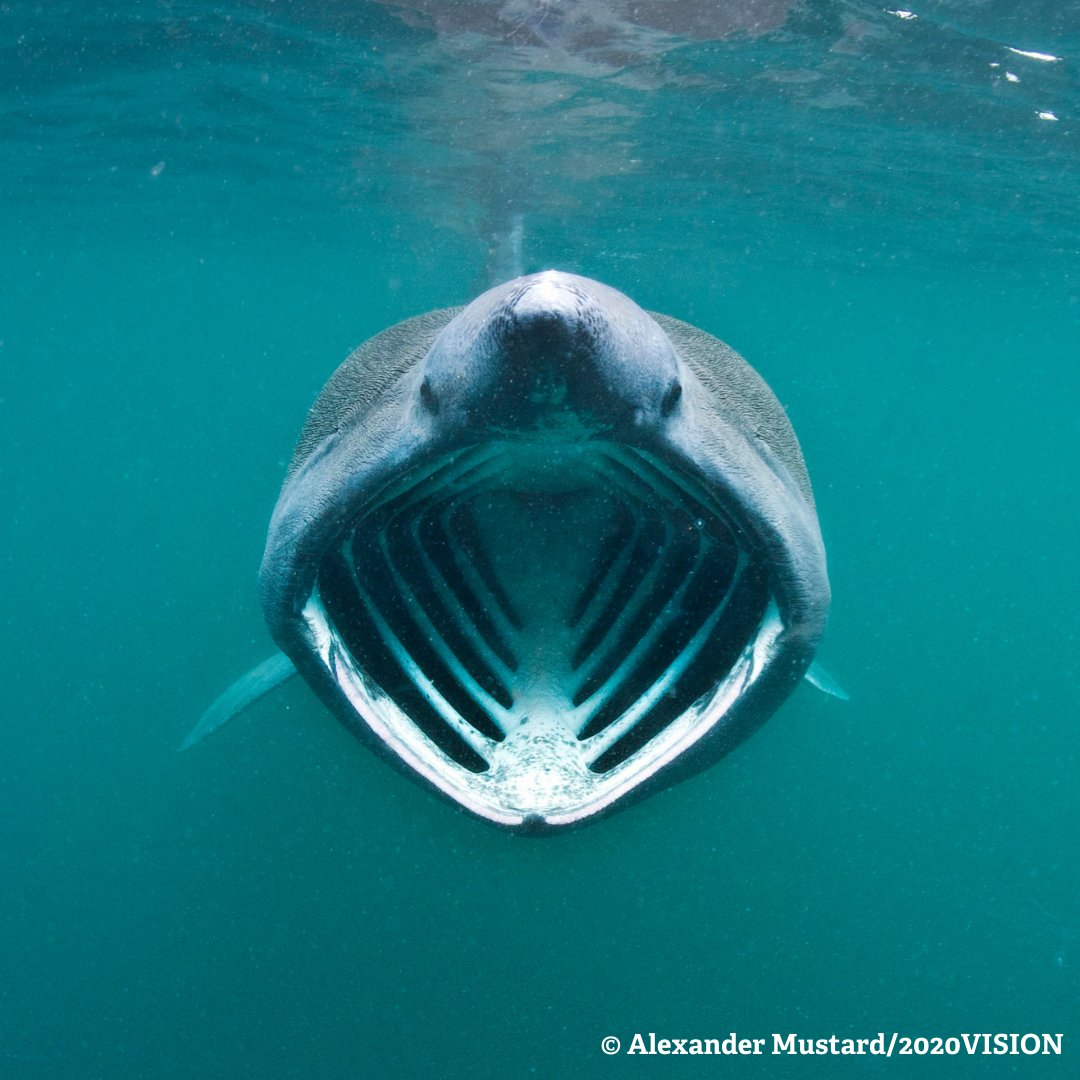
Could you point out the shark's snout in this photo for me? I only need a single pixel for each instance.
(548, 347)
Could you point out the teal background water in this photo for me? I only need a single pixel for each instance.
(206, 207)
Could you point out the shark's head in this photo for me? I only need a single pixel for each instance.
(545, 552)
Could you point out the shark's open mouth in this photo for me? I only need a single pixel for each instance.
(537, 628)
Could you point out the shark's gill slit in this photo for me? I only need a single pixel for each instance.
(640, 561)
(597, 589)
(416, 579)
(438, 546)
(470, 700)
(715, 646)
(463, 532)
(662, 618)
(363, 633)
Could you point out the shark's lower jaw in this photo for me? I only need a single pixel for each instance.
(538, 629)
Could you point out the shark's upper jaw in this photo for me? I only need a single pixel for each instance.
(538, 627)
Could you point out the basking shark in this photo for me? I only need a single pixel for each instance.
(547, 553)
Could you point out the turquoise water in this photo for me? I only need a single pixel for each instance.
(205, 208)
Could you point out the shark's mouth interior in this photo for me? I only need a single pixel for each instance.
(537, 628)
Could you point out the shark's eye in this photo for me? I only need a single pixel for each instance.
(671, 398)
(427, 396)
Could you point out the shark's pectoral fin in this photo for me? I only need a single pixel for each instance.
(817, 676)
(259, 681)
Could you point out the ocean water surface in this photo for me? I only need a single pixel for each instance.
(206, 207)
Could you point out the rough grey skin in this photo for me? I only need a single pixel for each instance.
(435, 565)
